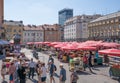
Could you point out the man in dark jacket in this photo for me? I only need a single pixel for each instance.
(62, 77)
(22, 73)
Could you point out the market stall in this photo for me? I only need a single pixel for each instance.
(114, 58)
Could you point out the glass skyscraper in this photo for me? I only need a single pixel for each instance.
(65, 14)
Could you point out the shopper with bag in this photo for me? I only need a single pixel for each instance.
(3, 71)
(74, 77)
(12, 70)
(22, 73)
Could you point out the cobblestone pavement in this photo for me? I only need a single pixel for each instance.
(100, 74)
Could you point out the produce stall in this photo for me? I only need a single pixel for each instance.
(114, 58)
(114, 70)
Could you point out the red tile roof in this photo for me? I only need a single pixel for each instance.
(33, 27)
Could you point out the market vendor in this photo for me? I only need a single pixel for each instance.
(64, 58)
(96, 54)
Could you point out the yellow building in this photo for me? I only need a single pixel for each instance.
(12, 28)
(105, 28)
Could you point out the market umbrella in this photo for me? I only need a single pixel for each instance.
(115, 52)
(38, 43)
(87, 48)
(59, 45)
(110, 45)
(29, 43)
(69, 47)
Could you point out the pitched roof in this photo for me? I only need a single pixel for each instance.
(33, 27)
(108, 16)
(51, 27)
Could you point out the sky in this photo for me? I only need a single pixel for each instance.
(40, 12)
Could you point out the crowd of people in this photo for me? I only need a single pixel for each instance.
(19, 71)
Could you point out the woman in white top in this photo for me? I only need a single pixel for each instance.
(3, 71)
(43, 73)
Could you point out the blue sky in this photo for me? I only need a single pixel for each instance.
(46, 11)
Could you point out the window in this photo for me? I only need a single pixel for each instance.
(19, 30)
(25, 34)
(8, 30)
(37, 39)
(50, 32)
(28, 34)
(14, 30)
(32, 34)
(84, 25)
(40, 34)
(28, 39)
(37, 34)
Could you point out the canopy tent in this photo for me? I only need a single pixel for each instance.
(114, 52)
(38, 42)
(69, 47)
(110, 45)
(30, 43)
(90, 48)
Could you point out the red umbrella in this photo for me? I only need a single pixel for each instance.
(38, 43)
(111, 52)
(30, 43)
(110, 45)
(46, 42)
(59, 45)
(69, 47)
(87, 48)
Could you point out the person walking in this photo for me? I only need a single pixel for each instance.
(74, 76)
(62, 77)
(85, 61)
(106, 60)
(90, 61)
(12, 70)
(16, 63)
(38, 70)
(43, 73)
(22, 73)
(52, 71)
(32, 66)
(50, 59)
(3, 71)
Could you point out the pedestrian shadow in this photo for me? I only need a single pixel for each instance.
(4, 82)
(34, 80)
(83, 73)
(56, 75)
(101, 66)
(96, 69)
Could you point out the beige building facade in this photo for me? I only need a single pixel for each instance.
(105, 28)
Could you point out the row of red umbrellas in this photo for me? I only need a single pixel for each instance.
(110, 52)
(88, 45)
